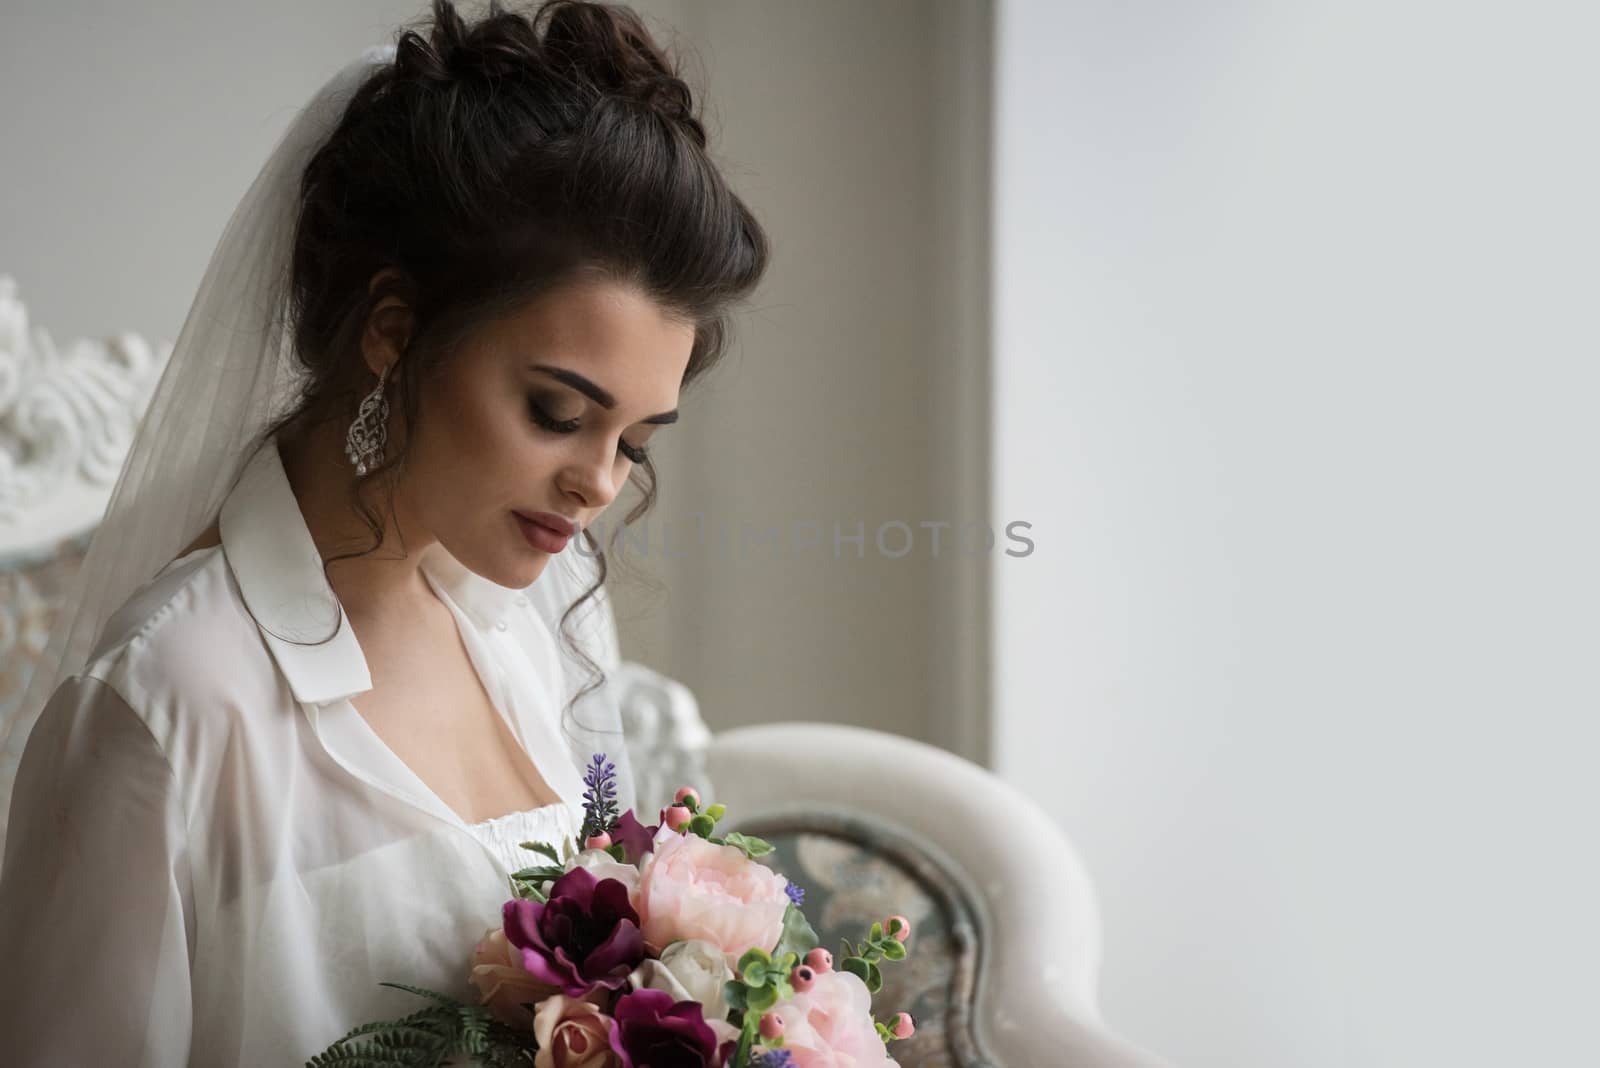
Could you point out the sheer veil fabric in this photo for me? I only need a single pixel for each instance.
(230, 374)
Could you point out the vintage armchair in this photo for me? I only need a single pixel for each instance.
(1006, 933)
(1006, 944)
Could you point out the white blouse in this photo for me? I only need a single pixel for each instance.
(213, 859)
(503, 835)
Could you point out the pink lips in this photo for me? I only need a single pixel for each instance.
(558, 523)
(546, 531)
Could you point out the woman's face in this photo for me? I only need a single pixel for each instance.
(542, 412)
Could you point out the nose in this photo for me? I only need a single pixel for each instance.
(591, 482)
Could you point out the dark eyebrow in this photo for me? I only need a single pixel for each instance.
(596, 393)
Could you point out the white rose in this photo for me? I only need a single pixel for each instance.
(692, 970)
(602, 866)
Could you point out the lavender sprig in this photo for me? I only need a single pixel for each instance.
(777, 1058)
(796, 893)
(600, 799)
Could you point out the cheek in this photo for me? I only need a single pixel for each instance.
(471, 455)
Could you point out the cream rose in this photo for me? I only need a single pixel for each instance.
(692, 889)
(503, 984)
(603, 866)
(690, 971)
(573, 1034)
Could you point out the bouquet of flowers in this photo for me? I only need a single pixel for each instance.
(665, 946)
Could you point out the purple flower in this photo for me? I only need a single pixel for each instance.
(600, 799)
(777, 1058)
(796, 894)
(635, 838)
(586, 935)
(656, 1031)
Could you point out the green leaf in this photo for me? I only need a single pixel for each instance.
(702, 825)
(856, 966)
(762, 999)
(424, 993)
(798, 937)
(733, 992)
(893, 950)
(876, 932)
(753, 955)
(543, 849)
(716, 812)
(540, 874)
(753, 847)
(747, 1037)
(427, 1037)
(873, 978)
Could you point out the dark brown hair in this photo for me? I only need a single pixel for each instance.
(491, 162)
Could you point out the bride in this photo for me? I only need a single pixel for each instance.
(305, 702)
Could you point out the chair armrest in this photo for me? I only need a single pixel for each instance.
(666, 738)
(1038, 926)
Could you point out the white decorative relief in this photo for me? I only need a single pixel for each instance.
(67, 419)
(666, 738)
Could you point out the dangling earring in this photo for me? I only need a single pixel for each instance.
(365, 440)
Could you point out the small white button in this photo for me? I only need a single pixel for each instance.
(500, 624)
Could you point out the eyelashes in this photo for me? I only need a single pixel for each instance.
(568, 426)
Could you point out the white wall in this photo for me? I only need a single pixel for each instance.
(1296, 377)
(855, 394)
(130, 132)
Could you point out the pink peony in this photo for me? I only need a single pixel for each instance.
(690, 888)
(830, 1025)
(573, 1034)
(503, 983)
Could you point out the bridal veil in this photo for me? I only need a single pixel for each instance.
(232, 372)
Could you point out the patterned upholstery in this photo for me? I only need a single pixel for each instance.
(856, 871)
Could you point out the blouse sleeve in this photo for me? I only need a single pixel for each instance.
(96, 911)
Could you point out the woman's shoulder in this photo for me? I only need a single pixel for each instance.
(184, 639)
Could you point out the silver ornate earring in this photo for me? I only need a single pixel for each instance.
(365, 440)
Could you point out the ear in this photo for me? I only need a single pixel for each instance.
(389, 324)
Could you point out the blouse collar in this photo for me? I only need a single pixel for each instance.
(279, 571)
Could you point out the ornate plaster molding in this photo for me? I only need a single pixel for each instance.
(67, 419)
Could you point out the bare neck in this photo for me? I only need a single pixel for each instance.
(382, 584)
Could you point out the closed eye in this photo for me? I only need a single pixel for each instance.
(569, 426)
